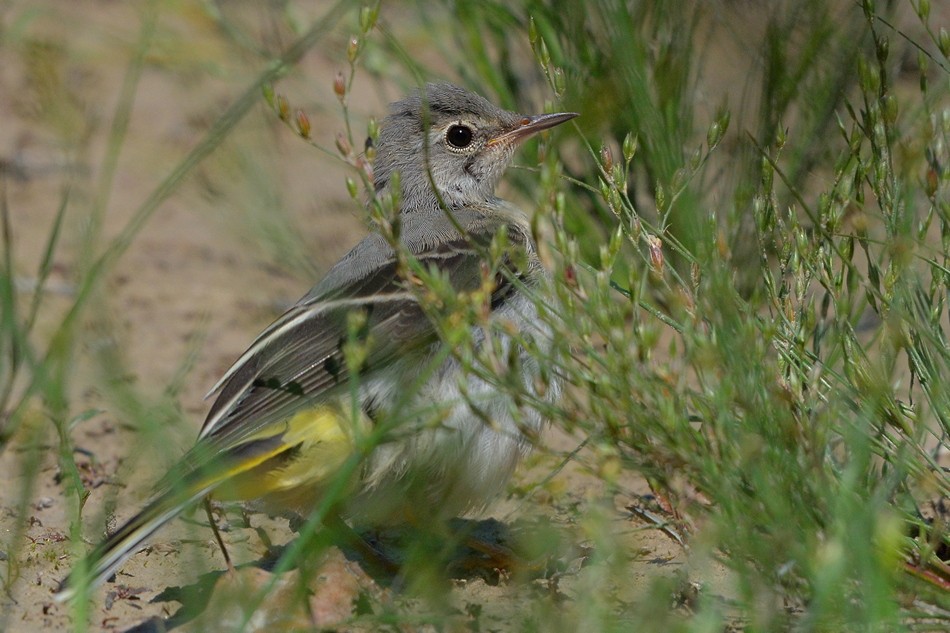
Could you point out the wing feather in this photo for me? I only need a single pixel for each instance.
(298, 360)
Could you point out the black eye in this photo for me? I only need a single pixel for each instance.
(459, 136)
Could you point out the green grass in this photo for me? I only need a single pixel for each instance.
(750, 291)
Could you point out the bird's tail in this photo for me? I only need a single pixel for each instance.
(300, 453)
(103, 561)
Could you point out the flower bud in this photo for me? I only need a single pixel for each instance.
(655, 245)
(268, 91)
(717, 130)
(543, 55)
(339, 86)
(366, 167)
(630, 143)
(882, 48)
(283, 108)
(570, 275)
(781, 137)
(933, 181)
(343, 145)
(368, 17)
(606, 159)
(303, 124)
(889, 108)
(557, 78)
(695, 159)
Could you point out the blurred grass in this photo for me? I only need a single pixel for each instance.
(751, 290)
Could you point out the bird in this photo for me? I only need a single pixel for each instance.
(363, 354)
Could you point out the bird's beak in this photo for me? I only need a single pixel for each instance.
(531, 125)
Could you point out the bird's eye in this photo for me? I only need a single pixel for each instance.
(459, 136)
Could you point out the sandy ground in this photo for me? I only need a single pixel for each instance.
(189, 294)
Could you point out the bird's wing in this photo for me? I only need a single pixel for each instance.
(298, 361)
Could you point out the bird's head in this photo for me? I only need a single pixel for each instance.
(453, 139)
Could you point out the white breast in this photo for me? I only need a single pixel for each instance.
(444, 458)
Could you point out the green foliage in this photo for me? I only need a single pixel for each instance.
(777, 341)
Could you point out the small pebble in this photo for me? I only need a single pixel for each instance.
(43, 502)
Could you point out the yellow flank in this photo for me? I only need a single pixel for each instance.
(314, 445)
